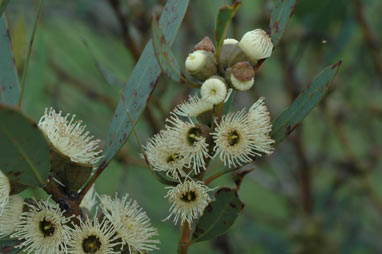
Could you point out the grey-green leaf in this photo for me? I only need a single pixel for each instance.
(3, 6)
(163, 53)
(24, 149)
(288, 120)
(9, 82)
(281, 14)
(142, 81)
(7, 246)
(218, 216)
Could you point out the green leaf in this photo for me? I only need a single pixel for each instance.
(7, 246)
(225, 15)
(23, 148)
(281, 14)
(142, 81)
(9, 82)
(163, 53)
(218, 216)
(288, 120)
(3, 6)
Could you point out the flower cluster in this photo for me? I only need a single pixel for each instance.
(196, 132)
(43, 228)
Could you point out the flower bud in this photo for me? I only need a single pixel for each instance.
(242, 76)
(256, 44)
(231, 53)
(205, 44)
(201, 64)
(214, 90)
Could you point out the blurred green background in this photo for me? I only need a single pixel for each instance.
(320, 192)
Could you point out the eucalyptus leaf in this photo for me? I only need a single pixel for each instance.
(281, 14)
(7, 246)
(9, 82)
(288, 120)
(24, 149)
(218, 216)
(163, 53)
(3, 6)
(142, 81)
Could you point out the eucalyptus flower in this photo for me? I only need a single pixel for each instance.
(256, 44)
(11, 215)
(69, 137)
(5, 189)
(214, 90)
(193, 107)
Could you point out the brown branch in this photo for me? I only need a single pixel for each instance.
(369, 36)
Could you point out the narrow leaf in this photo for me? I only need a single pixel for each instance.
(3, 6)
(23, 148)
(9, 82)
(163, 53)
(142, 81)
(7, 246)
(225, 15)
(288, 120)
(218, 216)
(281, 14)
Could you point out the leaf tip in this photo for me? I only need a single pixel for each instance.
(338, 64)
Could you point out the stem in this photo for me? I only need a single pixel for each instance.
(29, 54)
(217, 175)
(184, 240)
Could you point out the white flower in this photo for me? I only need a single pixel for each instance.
(193, 107)
(189, 141)
(89, 199)
(43, 229)
(241, 85)
(230, 41)
(260, 121)
(11, 215)
(69, 137)
(234, 139)
(213, 90)
(92, 237)
(131, 223)
(165, 157)
(188, 201)
(256, 44)
(5, 189)
(196, 61)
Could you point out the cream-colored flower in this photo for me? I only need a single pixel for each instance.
(69, 137)
(163, 156)
(5, 189)
(230, 41)
(189, 141)
(11, 215)
(196, 61)
(260, 121)
(214, 90)
(193, 107)
(43, 229)
(234, 139)
(89, 200)
(131, 223)
(92, 237)
(188, 201)
(241, 85)
(256, 44)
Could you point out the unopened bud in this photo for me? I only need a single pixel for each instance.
(201, 64)
(214, 90)
(231, 53)
(242, 76)
(256, 44)
(205, 44)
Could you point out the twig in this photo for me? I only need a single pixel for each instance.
(184, 240)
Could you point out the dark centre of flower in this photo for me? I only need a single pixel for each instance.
(233, 138)
(193, 134)
(188, 196)
(91, 244)
(47, 227)
(213, 91)
(173, 157)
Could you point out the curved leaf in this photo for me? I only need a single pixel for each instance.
(288, 120)
(142, 81)
(281, 14)
(3, 6)
(9, 82)
(218, 216)
(23, 148)
(163, 53)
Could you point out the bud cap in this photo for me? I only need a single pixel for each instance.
(205, 44)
